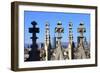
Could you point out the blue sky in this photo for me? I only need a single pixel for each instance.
(53, 17)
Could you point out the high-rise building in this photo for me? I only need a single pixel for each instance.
(54, 42)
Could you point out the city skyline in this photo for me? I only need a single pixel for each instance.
(52, 18)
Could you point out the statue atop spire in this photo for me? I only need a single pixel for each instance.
(47, 41)
(34, 53)
(80, 47)
(59, 30)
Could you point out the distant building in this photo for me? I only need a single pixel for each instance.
(54, 42)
